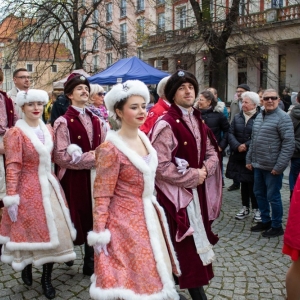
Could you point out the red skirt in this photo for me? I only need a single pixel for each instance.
(293, 253)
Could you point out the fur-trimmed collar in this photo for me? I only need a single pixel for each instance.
(219, 107)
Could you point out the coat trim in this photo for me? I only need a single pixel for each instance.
(148, 171)
(10, 200)
(44, 173)
(72, 148)
(102, 238)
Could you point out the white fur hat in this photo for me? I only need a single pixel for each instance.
(161, 86)
(123, 91)
(32, 95)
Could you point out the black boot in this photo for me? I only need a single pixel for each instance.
(47, 286)
(197, 293)
(27, 275)
(88, 261)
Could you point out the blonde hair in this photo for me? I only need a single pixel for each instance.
(95, 89)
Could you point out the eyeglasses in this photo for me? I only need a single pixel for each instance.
(239, 91)
(101, 94)
(273, 98)
(24, 77)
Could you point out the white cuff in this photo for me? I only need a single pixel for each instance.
(102, 237)
(72, 148)
(10, 200)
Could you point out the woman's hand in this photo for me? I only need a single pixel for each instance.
(242, 148)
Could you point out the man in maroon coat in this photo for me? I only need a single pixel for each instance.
(77, 134)
(187, 158)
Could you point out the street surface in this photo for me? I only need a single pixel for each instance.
(248, 266)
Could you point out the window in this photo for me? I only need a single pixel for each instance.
(242, 8)
(108, 39)
(109, 12)
(83, 44)
(54, 68)
(123, 53)
(140, 5)
(140, 27)
(181, 17)
(95, 17)
(95, 41)
(29, 67)
(108, 59)
(123, 9)
(276, 3)
(95, 63)
(161, 22)
(140, 53)
(123, 33)
(159, 2)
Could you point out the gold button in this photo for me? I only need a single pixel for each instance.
(11, 111)
(79, 137)
(72, 120)
(177, 121)
(99, 135)
(203, 121)
(185, 143)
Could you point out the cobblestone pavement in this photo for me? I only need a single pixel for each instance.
(248, 266)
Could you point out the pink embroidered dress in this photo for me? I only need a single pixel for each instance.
(128, 219)
(43, 231)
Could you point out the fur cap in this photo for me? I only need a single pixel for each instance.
(32, 95)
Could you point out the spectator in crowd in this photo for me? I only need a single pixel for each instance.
(21, 80)
(239, 138)
(286, 99)
(270, 151)
(291, 245)
(182, 140)
(159, 109)
(127, 236)
(96, 102)
(215, 93)
(295, 160)
(48, 107)
(77, 134)
(212, 113)
(235, 108)
(36, 227)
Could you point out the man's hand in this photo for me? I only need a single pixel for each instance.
(202, 174)
(242, 148)
(273, 172)
(249, 167)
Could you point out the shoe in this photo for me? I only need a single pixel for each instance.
(261, 226)
(69, 263)
(256, 215)
(47, 286)
(244, 213)
(233, 187)
(27, 275)
(273, 232)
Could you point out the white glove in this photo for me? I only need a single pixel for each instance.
(98, 248)
(182, 165)
(76, 157)
(13, 212)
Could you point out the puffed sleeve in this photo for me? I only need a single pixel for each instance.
(13, 155)
(107, 172)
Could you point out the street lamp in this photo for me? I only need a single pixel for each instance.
(6, 68)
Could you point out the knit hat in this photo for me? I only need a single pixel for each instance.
(176, 80)
(161, 86)
(31, 95)
(122, 91)
(73, 82)
(244, 86)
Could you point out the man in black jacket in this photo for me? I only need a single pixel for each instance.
(59, 107)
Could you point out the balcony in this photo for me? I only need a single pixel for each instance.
(255, 20)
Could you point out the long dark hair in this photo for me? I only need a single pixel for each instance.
(210, 97)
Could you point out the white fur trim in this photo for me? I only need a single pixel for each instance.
(31, 95)
(161, 87)
(4, 239)
(102, 238)
(10, 200)
(219, 107)
(123, 91)
(72, 148)
(44, 173)
(168, 291)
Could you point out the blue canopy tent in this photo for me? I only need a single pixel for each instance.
(128, 69)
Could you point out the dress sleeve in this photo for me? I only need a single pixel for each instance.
(211, 160)
(13, 160)
(63, 146)
(107, 172)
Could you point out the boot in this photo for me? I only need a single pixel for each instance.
(47, 286)
(27, 275)
(197, 293)
(88, 261)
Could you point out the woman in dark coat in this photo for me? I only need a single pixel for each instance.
(239, 138)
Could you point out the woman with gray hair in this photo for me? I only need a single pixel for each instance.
(239, 138)
(96, 102)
